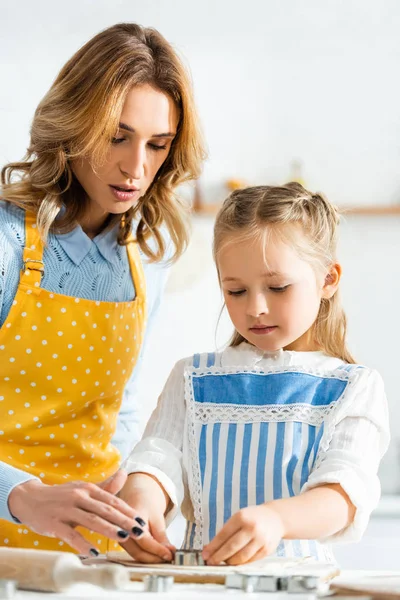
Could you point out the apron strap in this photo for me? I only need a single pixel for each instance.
(137, 271)
(33, 267)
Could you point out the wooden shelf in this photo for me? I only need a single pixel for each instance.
(373, 210)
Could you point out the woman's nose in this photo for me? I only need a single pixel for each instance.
(133, 164)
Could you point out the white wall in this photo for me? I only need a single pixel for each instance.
(274, 80)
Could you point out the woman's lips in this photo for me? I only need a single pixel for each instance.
(123, 194)
(263, 330)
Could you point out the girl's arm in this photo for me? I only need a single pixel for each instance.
(316, 514)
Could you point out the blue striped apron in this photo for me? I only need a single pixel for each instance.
(254, 437)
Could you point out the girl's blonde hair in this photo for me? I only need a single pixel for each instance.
(257, 211)
(79, 116)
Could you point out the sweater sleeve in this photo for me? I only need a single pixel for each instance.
(10, 477)
(354, 444)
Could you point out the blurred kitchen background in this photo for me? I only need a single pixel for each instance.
(286, 90)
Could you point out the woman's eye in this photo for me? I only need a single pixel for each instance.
(279, 289)
(156, 147)
(117, 140)
(236, 292)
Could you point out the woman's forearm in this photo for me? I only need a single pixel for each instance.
(318, 513)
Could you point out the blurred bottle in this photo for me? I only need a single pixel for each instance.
(198, 202)
(236, 184)
(296, 171)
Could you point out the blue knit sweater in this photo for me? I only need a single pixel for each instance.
(96, 269)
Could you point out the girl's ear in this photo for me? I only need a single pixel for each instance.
(331, 282)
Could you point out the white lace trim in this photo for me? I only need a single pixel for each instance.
(340, 374)
(194, 476)
(208, 412)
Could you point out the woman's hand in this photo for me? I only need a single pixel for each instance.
(250, 534)
(55, 511)
(148, 498)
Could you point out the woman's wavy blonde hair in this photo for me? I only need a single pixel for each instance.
(255, 212)
(79, 116)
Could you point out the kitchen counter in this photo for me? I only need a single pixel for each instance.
(197, 591)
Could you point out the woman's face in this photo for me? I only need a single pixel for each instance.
(148, 124)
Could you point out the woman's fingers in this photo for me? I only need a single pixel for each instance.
(46, 509)
(93, 522)
(73, 538)
(106, 519)
(109, 500)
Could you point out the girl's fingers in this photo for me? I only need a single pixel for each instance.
(148, 544)
(230, 547)
(246, 554)
(261, 553)
(114, 484)
(141, 555)
(227, 531)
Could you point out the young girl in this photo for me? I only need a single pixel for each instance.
(271, 446)
(87, 220)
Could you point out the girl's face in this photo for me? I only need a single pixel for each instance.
(272, 295)
(148, 124)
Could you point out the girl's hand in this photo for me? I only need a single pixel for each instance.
(149, 500)
(251, 534)
(55, 510)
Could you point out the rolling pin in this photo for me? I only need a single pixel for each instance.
(48, 571)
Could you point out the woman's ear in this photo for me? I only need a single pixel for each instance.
(331, 282)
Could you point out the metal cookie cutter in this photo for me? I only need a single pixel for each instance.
(258, 582)
(158, 583)
(188, 558)
(252, 582)
(7, 588)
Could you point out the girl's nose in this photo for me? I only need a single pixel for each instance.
(257, 305)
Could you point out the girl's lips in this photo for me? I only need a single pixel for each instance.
(122, 194)
(262, 330)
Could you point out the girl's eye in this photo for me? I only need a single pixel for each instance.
(116, 140)
(279, 289)
(236, 293)
(156, 147)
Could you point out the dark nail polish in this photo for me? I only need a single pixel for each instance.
(94, 552)
(122, 533)
(140, 521)
(137, 531)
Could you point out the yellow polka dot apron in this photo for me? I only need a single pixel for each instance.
(64, 363)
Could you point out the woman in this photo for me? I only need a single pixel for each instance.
(116, 133)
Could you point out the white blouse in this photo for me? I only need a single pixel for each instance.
(290, 392)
